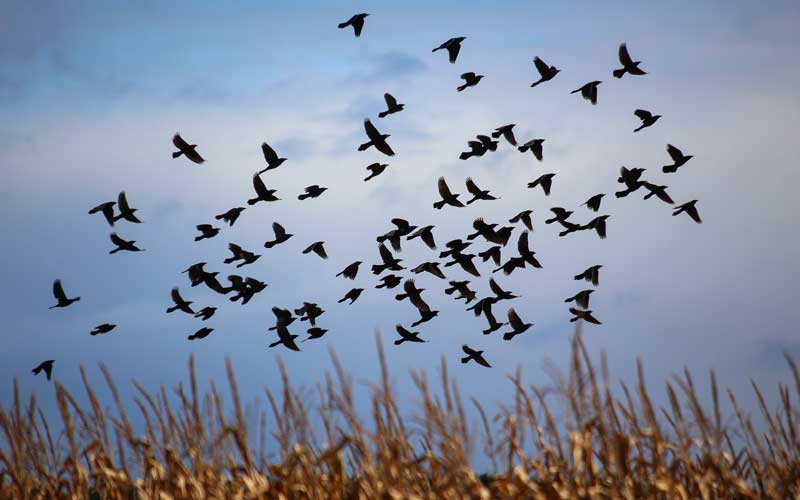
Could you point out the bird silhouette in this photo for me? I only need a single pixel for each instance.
(402, 228)
(494, 253)
(392, 106)
(46, 366)
(390, 281)
(535, 147)
(646, 117)
(454, 247)
(546, 181)
(453, 47)
(510, 265)
(546, 72)
(524, 217)
(465, 261)
(628, 65)
(426, 235)
(658, 191)
(315, 333)
(61, 297)
(581, 298)
(352, 295)
(283, 317)
(262, 193)
(631, 178)
(390, 262)
(482, 229)
(207, 231)
(414, 295)
(690, 207)
(473, 355)
(350, 271)
(205, 313)
(271, 157)
(487, 142)
(406, 336)
(476, 148)
(561, 215)
(285, 338)
(231, 216)
(318, 248)
(128, 246)
(464, 292)
(102, 329)
(125, 210)
(584, 315)
(357, 22)
(107, 209)
(507, 131)
(240, 254)
(569, 228)
(477, 193)
(180, 303)
(312, 191)
(448, 198)
(525, 253)
(517, 325)
(376, 139)
(186, 149)
(280, 236)
(430, 268)
(196, 272)
(470, 80)
(678, 159)
(591, 274)
(599, 225)
(589, 91)
(201, 333)
(499, 293)
(309, 312)
(593, 203)
(494, 325)
(375, 170)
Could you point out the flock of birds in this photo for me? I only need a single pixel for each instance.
(244, 288)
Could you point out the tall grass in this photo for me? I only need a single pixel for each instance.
(574, 440)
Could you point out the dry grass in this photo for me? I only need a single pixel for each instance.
(573, 441)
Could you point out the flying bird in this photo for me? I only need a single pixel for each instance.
(591, 274)
(476, 148)
(375, 170)
(271, 157)
(231, 216)
(392, 106)
(448, 198)
(581, 298)
(61, 297)
(107, 209)
(628, 65)
(414, 295)
(280, 236)
(285, 338)
(678, 159)
(180, 303)
(426, 235)
(499, 293)
(318, 248)
(390, 281)
(406, 336)
(470, 80)
(376, 139)
(309, 312)
(201, 333)
(312, 191)
(125, 211)
(507, 131)
(473, 355)
(690, 207)
(535, 147)
(477, 193)
(546, 181)
(205, 313)
(352, 295)
(207, 231)
(659, 191)
(430, 268)
(315, 333)
(128, 246)
(102, 329)
(593, 203)
(402, 228)
(599, 225)
(510, 265)
(589, 91)
(464, 292)
(631, 178)
(186, 149)
(646, 117)
(584, 315)
(350, 271)
(493, 253)
(546, 72)
(453, 46)
(525, 253)
(524, 217)
(494, 325)
(517, 325)
(46, 366)
(357, 22)
(389, 261)
(262, 193)
(240, 254)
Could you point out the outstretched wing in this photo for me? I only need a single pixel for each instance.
(522, 243)
(58, 291)
(269, 154)
(624, 56)
(117, 240)
(259, 186)
(468, 76)
(541, 66)
(176, 296)
(444, 189)
(643, 114)
(514, 319)
(391, 102)
(472, 187)
(122, 202)
(179, 143)
(495, 287)
(675, 153)
(372, 132)
(280, 232)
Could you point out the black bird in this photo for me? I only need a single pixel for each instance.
(207, 230)
(392, 106)
(280, 236)
(507, 132)
(61, 297)
(581, 298)
(510, 265)
(516, 324)
(470, 80)
(271, 157)
(478, 308)
(678, 159)
(196, 273)
(312, 191)
(390, 281)
(375, 170)
(424, 317)
(629, 177)
(455, 247)
(690, 207)
(591, 274)
(376, 139)
(593, 203)
(406, 336)
(584, 315)
(201, 333)
(180, 303)
(350, 271)
(569, 228)
(628, 65)
(494, 325)
(414, 295)
(464, 292)
(184, 148)
(46, 366)
(599, 225)
(589, 91)
(231, 215)
(525, 253)
(240, 254)
(390, 262)
(659, 191)
(315, 333)
(545, 71)
(499, 293)
(403, 228)
(426, 234)
(125, 211)
(647, 118)
(561, 215)
(128, 246)
(283, 317)
(357, 22)
(546, 181)
(309, 312)
(465, 261)
(524, 217)
(448, 198)
(535, 147)
(431, 268)
(473, 355)
(482, 229)
(453, 46)
(352, 295)
(493, 253)
(488, 142)
(262, 193)
(476, 148)
(318, 248)
(205, 313)
(285, 338)
(477, 193)
(101, 329)
(107, 209)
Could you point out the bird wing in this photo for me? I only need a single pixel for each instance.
(469, 75)
(472, 187)
(319, 249)
(692, 211)
(401, 224)
(204, 228)
(495, 287)
(372, 132)
(179, 143)
(541, 66)
(479, 359)
(122, 202)
(259, 186)
(286, 338)
(427, 237)
(522, 244)
(468, 350)
(176, 296)
(452, 51)
(386, 255)
(58, 291)
(624, 56)
(674, 152)
(280, 232)
(444, 190)
(391, 102)
(117, 240)
(514, 319)
(383, 146)
(643, 114)
(269, 154)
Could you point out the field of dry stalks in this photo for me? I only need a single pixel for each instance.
(572, 441)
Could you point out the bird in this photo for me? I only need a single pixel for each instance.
(280, 236)
(414, 295)
(357, 22)
(569, 228)
(196, 273)
(426, 235)
(546, 72)
(271, 157)
(646, 117)
(581, 298)
(470, 80)
(464, 292)
(128, 246)
(630, 177)
(584, 315)
(473, 355)
(494, 325)
(690, 207)
(477, 148)
(390, 281)
(207, 230)
(516, 324)
(525, 253)
(262, 193)
(534, 146)
(431, 268)
(318, 248)
(507, 131)
(309, 312)
(448, 198)
(589, 91)
(201, 333)
(389, 261)
(454, 247)
(312, 191)
(628, 65)
(61, 297)
(231, 216)
(402, 228)
(493, 253)
(510, 265)
(406, 336)
(477, 193)
(593, 203)
(285, 338)
(352, 295)
(599, 225)
(102, 329)
(283, 317)
(107, 209)
(678, 159)
(499, 293)
(375, 170)
(350, 271)
(561, 215)
(376, 139)
(479, 307)
(591, 274)
(205, 313)
(659, 191)
(546, 181)
(524, 217)
(46, 366)
(240, 254)
(125, 211)
(392, 106)
(186, 149)
(315, 333)
(180, 303)
(453, 46)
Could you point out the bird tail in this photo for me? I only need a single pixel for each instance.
(302, 197)
(618, 73)
(191, 337)
(462, 87)
(198, 238)
(399, 341)
(115, 251)
(536, 83)
(438, 205)
(342, 25)
(365, 146)
(669, 169)
(177, 154)
(465, 359)
(464, 156)
(382, 114)
(253, 201)
(173, 309)
(219, 217)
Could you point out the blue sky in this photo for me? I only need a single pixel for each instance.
(93, 93)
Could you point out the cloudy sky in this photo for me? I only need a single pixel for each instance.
(93, 93)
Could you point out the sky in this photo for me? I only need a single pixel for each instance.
(92, 93)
